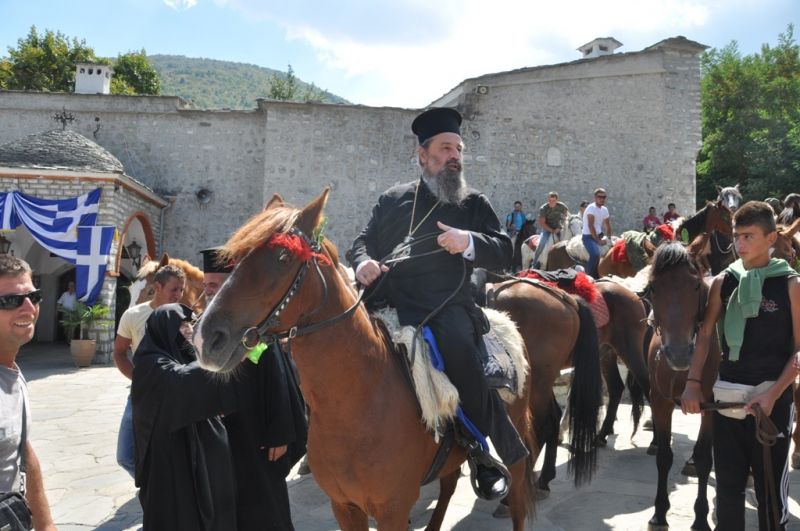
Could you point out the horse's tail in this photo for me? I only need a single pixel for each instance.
(585, 397)
(637, 400)
(530, 440)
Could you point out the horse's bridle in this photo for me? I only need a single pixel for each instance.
(260, 332)
(657, 330)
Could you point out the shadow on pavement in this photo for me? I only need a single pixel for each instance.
(127, 516)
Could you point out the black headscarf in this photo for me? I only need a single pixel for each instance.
(162, 333)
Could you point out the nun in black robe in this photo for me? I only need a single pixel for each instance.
(270, 414)
(183, 462)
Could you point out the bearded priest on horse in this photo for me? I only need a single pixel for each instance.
(448, 229)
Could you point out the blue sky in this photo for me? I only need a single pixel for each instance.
(402, 53)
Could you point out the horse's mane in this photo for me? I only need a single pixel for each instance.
(146, 269)
(193, 274)
(257, 230)
(670, 255)
(695, 223)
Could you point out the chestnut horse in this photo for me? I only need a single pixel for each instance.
(714, 219)
(678, 295)
(142, 289)
(366, 444)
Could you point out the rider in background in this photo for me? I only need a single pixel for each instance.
(595, 219)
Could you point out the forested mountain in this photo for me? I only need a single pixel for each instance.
(213, 84)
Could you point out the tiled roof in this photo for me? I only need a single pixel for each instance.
(58, 149)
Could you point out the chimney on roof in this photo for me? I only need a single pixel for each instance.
(599, 46)
(93, 78)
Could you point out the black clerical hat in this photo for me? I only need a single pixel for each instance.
(434, 121)
(211, 263)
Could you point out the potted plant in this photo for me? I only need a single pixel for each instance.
(82, 317)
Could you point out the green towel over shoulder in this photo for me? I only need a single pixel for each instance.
(745, 300)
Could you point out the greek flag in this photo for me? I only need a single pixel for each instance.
(66, 228)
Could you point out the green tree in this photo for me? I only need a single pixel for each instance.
(133, 74)
(284, 88)
(751, 120)
(46, 62)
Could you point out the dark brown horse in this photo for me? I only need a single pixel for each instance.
(678, 296)
(366, 445)
(714, 219)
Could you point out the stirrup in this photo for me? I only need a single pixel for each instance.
(476, 456)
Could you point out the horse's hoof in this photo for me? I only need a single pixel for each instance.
(648, 425)
(796, 460)
(542, 494)
(700, 526)
(689, 469)
(652, 449)
(502, 511)
(655, 525)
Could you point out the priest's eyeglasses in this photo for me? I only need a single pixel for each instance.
(11, 302)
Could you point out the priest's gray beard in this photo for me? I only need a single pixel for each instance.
(448, 185)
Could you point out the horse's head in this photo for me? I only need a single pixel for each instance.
(142, 289)
(677, 294)
(730, 196)
(574, 225)
(719, 218)
(264, 293)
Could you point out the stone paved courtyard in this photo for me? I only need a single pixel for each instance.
(76, 415)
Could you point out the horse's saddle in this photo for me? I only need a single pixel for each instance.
(577, 251)
(502, 355)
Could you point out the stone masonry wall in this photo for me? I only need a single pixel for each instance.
(628, 122)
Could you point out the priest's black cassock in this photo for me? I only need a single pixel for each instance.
(416, 287)
(270, 413)
(183, 463)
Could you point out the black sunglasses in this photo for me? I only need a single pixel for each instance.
(10, 302)
(600, 196)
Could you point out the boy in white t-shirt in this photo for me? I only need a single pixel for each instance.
(169, 282)
(595, 219)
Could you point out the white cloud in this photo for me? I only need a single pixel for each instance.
(466, 38)
(180, 4)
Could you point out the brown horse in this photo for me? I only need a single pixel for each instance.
(713, 219)
(559, 333)
(678, 297)
(621, 338)
(142, 289)
(366, 444)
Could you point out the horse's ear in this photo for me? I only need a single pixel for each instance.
(276, 200)
(146, 258)
(737, 187)
(164, 260)
(718, 187)
(311, 215)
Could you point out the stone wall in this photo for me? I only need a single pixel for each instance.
(628, 122)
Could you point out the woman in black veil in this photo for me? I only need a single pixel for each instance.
(184, 468)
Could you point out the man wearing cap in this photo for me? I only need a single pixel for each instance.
(267, 432)
(456, 229)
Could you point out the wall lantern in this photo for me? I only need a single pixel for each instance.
(135, 253)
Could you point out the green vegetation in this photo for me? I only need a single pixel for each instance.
(47, 62)
(751, 120)
(213, 84)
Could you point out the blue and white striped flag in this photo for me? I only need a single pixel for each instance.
(51, 222)
(66, 228)
(94, 246)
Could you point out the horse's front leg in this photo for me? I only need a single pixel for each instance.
(447, 486)
(662, 426)
(703, 461)
(350, 517)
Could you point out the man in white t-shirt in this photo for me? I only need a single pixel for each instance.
(596, 229)
(19, 310)
(169, 282)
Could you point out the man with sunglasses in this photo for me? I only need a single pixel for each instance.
(19, 310)
(596, 229)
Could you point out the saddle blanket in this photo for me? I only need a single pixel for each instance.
(502, 354)
(575, 283)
